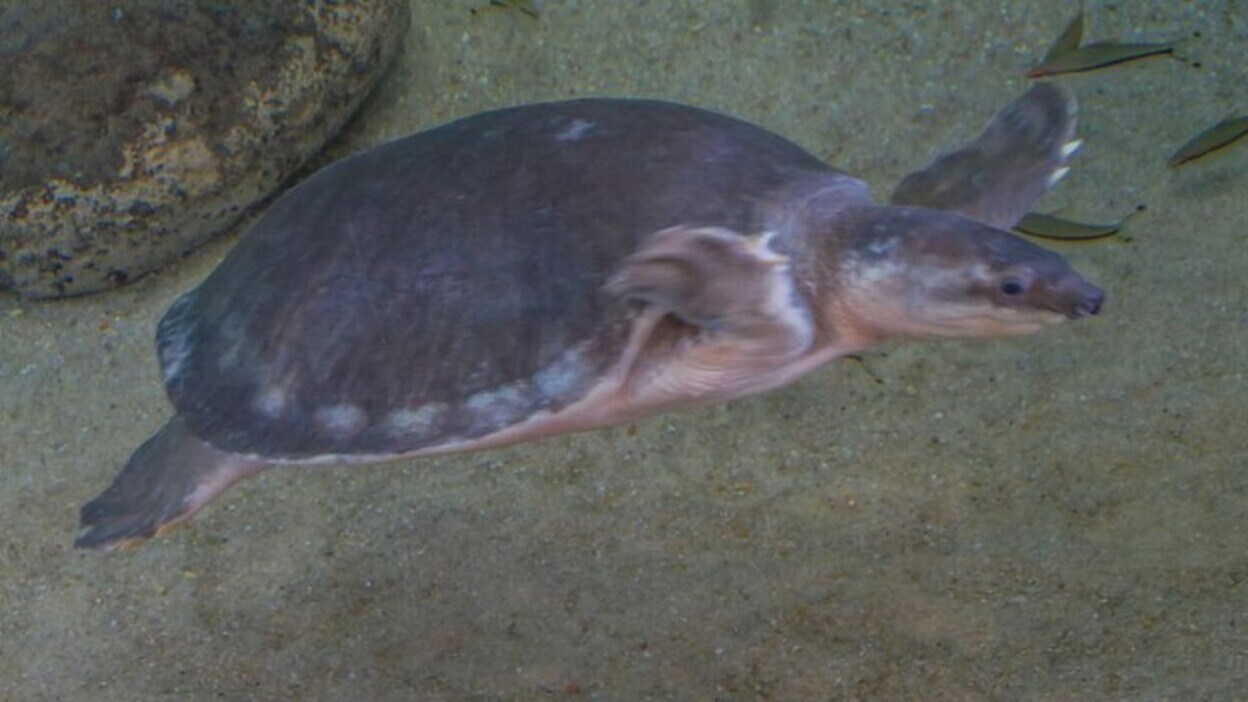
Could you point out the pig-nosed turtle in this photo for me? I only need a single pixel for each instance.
(565, 266)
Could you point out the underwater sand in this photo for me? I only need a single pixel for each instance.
(1063, 517)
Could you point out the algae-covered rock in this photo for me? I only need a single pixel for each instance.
(132, 131)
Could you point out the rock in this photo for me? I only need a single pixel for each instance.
(132, 131)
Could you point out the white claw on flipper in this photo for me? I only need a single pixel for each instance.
(1058, 175)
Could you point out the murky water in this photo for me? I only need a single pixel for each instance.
(1059, 517)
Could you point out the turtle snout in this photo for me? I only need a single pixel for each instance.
(1086, 299)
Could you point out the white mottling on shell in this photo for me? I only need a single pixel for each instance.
(174, 341)
(562, 376)
(500, 406)
(341, 421)
(173, 355)
(232, 330)
(415, 423)
(271, 402)
(575, 131)
(884, 247)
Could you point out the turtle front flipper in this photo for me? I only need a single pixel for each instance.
(733, 288)
(1016, 159)
(166, 481)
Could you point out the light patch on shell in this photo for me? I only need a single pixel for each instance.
(884, 247)
(418, 422)
(341, 421)
(173, 355)
(233, 333)
(575, 131)
(271, 402)
(562, 377)
(500, 406)
(174, 341)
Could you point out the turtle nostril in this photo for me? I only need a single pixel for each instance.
(1092, 303)
(1084, 299)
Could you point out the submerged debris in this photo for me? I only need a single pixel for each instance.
(1097, 55)
(1048, 226)
(1219, 136)
(1066, 55)
(528, 7)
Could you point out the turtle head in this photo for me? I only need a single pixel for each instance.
(917, 272)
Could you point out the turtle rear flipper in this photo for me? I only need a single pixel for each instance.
(1016, 159)
(167, 480)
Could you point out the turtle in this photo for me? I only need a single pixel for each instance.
(563, 266)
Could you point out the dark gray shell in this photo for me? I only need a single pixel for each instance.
(445, 285)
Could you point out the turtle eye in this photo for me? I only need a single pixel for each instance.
(1012, 286)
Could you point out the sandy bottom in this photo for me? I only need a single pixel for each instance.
(1055, 518)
